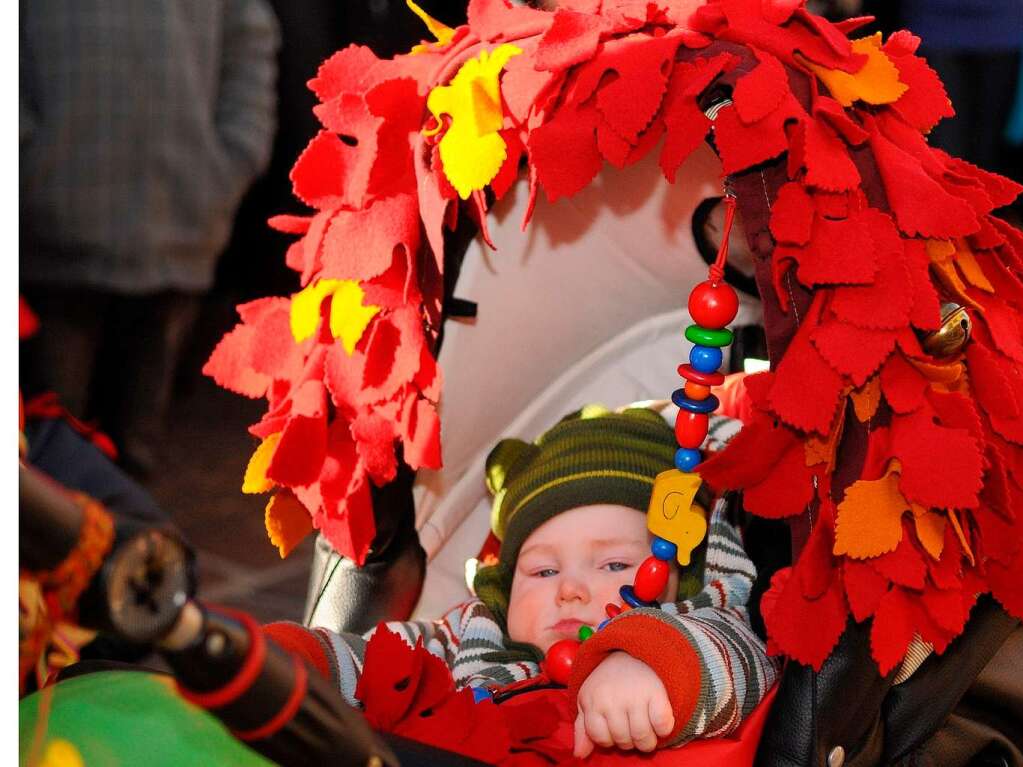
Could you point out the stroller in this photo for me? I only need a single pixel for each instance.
(833, 707)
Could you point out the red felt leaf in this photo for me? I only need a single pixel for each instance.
(348, 116)
(886, 304)
(571, 39)
(612, 147)
(786, 490)
(990, 380)
(230, 364)
(374, 438)
(815, 567)
(892, 630)
(400, 105)
(343, 375)
(429, 377)
(360, 244)
(945, 572)
(825, 157)
(840, 252)
(864, 587)
(509, 171)
(563, 173)
(742, 146)
(926, 311)
(925, 102)
(902, 384)
(422, 435)
(1006, 582)
(921, 207)
(941, 467)
(792, 215)
(806, 388)
(852, 351)
(500, 20)
(300, 453)
(344, 72)
(905, 565)
(806, 630)
(778, 12)
(629, 101)
(392, 354)
(1005, 326)
(835, 115)
(1001, 190)
(349, 529)
(433, 202)
(289, 224)
(321, 175)
(762, 90)
(685, 122)
(999, 539)
(750, 455)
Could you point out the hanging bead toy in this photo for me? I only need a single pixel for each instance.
(676, 521)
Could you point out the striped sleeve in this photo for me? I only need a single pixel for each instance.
(714, 667)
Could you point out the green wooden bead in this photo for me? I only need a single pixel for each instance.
(585, 632)
(705, 337)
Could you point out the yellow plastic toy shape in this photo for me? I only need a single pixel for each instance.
(673, 515)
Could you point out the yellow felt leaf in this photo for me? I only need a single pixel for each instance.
(877, 82)
(256, 480)
(305, 308)
(866, 399)
(287, 522)
(930, 530)
(954, 519)
(869, 521)
(348, 317)
(61, 753)
(440, 31)
(970, 269)
(471, 150)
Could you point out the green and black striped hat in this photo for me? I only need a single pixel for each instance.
(592, 456)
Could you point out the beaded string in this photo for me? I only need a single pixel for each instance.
(712, 305)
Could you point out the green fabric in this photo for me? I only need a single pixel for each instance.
(589, 457)
(130, 718)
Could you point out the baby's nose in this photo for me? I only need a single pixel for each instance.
(573, 588)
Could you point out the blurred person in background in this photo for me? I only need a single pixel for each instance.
(142, 123)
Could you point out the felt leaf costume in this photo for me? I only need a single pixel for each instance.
(869, 232)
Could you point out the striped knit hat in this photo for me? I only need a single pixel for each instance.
(592, 456)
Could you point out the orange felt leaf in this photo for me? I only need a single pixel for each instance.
(866, 399)
(953, 517)
(287, 522)
(941, 253)
(970, 269)
(930, 530)
(869, 521)
(821, 449)
(255, 480)
(877, 82)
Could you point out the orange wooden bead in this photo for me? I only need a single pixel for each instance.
(696, 391)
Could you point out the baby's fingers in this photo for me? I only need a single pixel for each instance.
(643, 737)
(661, 717)
(583, 745)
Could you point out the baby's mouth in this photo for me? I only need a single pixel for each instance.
(568, 626)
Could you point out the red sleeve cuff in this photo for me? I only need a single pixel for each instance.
(656, 643)
(294, 638)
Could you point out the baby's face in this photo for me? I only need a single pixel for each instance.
(571, 566)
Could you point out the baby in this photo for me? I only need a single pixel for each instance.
(565, 510)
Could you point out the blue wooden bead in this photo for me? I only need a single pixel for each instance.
(687, 459)
(705, 359)
(603, 623)
(663, 549)
(708, 405)
(632, 600)
(480, 694)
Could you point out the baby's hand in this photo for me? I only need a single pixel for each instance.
(622, 703)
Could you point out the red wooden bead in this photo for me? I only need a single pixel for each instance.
(690, 373)
(713, 306)
(612, 609)
(560, 657)
(696, 391)
(691, 428)
(651, 578)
